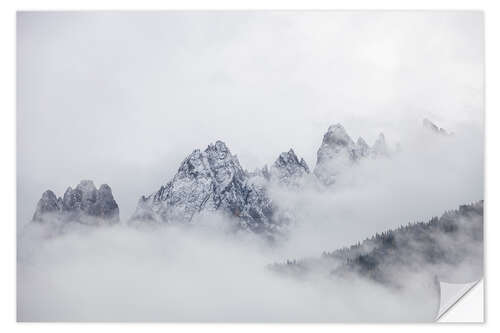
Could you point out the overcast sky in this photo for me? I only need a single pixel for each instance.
(122, 98)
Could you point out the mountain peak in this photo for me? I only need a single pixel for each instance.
(104, 188)
(334, 141)
(48, 196)
(219, 147)
(84, 204)
(287, 157)
(336, 148)
(212, 180)
(336, 127)
(337, 135)
(288, 169)
(48, 204)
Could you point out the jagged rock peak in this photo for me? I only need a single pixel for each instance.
(49, 203)
(337, 148)
(85, 204)
(208, 162)
(337, 134)
(48, 196)
(287, 159)
(219, 147)
(338, 151)
(433, 127)
(287, 168)
(335, 140)
(208, 181)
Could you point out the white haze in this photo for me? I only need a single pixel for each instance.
(430, 175)
(206, 273)
(200, 274)
(123, 98)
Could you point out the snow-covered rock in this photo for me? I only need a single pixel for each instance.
(338, 151)
(84, 204)
(336, 142)
(288, 169)
(208, 181)
(48, 204)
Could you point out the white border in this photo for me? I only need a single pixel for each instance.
(469, 308)
(7, 143)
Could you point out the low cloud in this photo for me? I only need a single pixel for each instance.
(177, 274)
(208, 272)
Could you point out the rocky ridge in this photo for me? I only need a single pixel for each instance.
(338, 150)
(210, 180)
(287, 170)
(85, 204)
